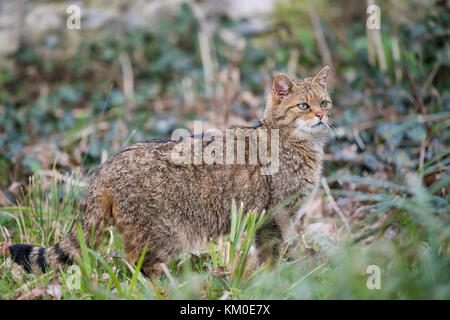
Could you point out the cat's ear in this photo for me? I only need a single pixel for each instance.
(322, 77)
(282, 85)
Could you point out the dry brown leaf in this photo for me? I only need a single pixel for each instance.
(54, 288)
(220, 271)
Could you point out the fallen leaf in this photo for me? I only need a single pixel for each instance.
(220, 271)
(54, 288)
(319, 236)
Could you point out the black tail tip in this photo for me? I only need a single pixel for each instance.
(20, 254)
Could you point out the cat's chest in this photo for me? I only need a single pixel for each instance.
(297, 177)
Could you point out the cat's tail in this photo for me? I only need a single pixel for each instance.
(93, 223)
(33, 258)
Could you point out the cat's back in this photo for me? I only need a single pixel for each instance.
(144, 175)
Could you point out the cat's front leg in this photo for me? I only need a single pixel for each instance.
(269, 242)
(276, 235)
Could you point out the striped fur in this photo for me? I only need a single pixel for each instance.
(38, 259)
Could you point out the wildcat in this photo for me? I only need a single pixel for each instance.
(173, 208)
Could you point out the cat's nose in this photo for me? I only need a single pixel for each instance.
(319, 115)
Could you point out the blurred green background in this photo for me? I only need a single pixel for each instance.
(140, 69)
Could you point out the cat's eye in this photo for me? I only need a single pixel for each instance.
(324, 104)
(303, 106)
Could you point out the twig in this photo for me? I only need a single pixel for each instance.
(167, 273)
(128, 83)
(430, 78)
(206, 53)
(358, 139)
(319, 35)
(335, 206)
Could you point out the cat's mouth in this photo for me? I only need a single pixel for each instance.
(318, 124)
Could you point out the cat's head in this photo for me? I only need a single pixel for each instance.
(301, 106)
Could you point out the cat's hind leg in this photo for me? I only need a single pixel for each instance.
(161, 247)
